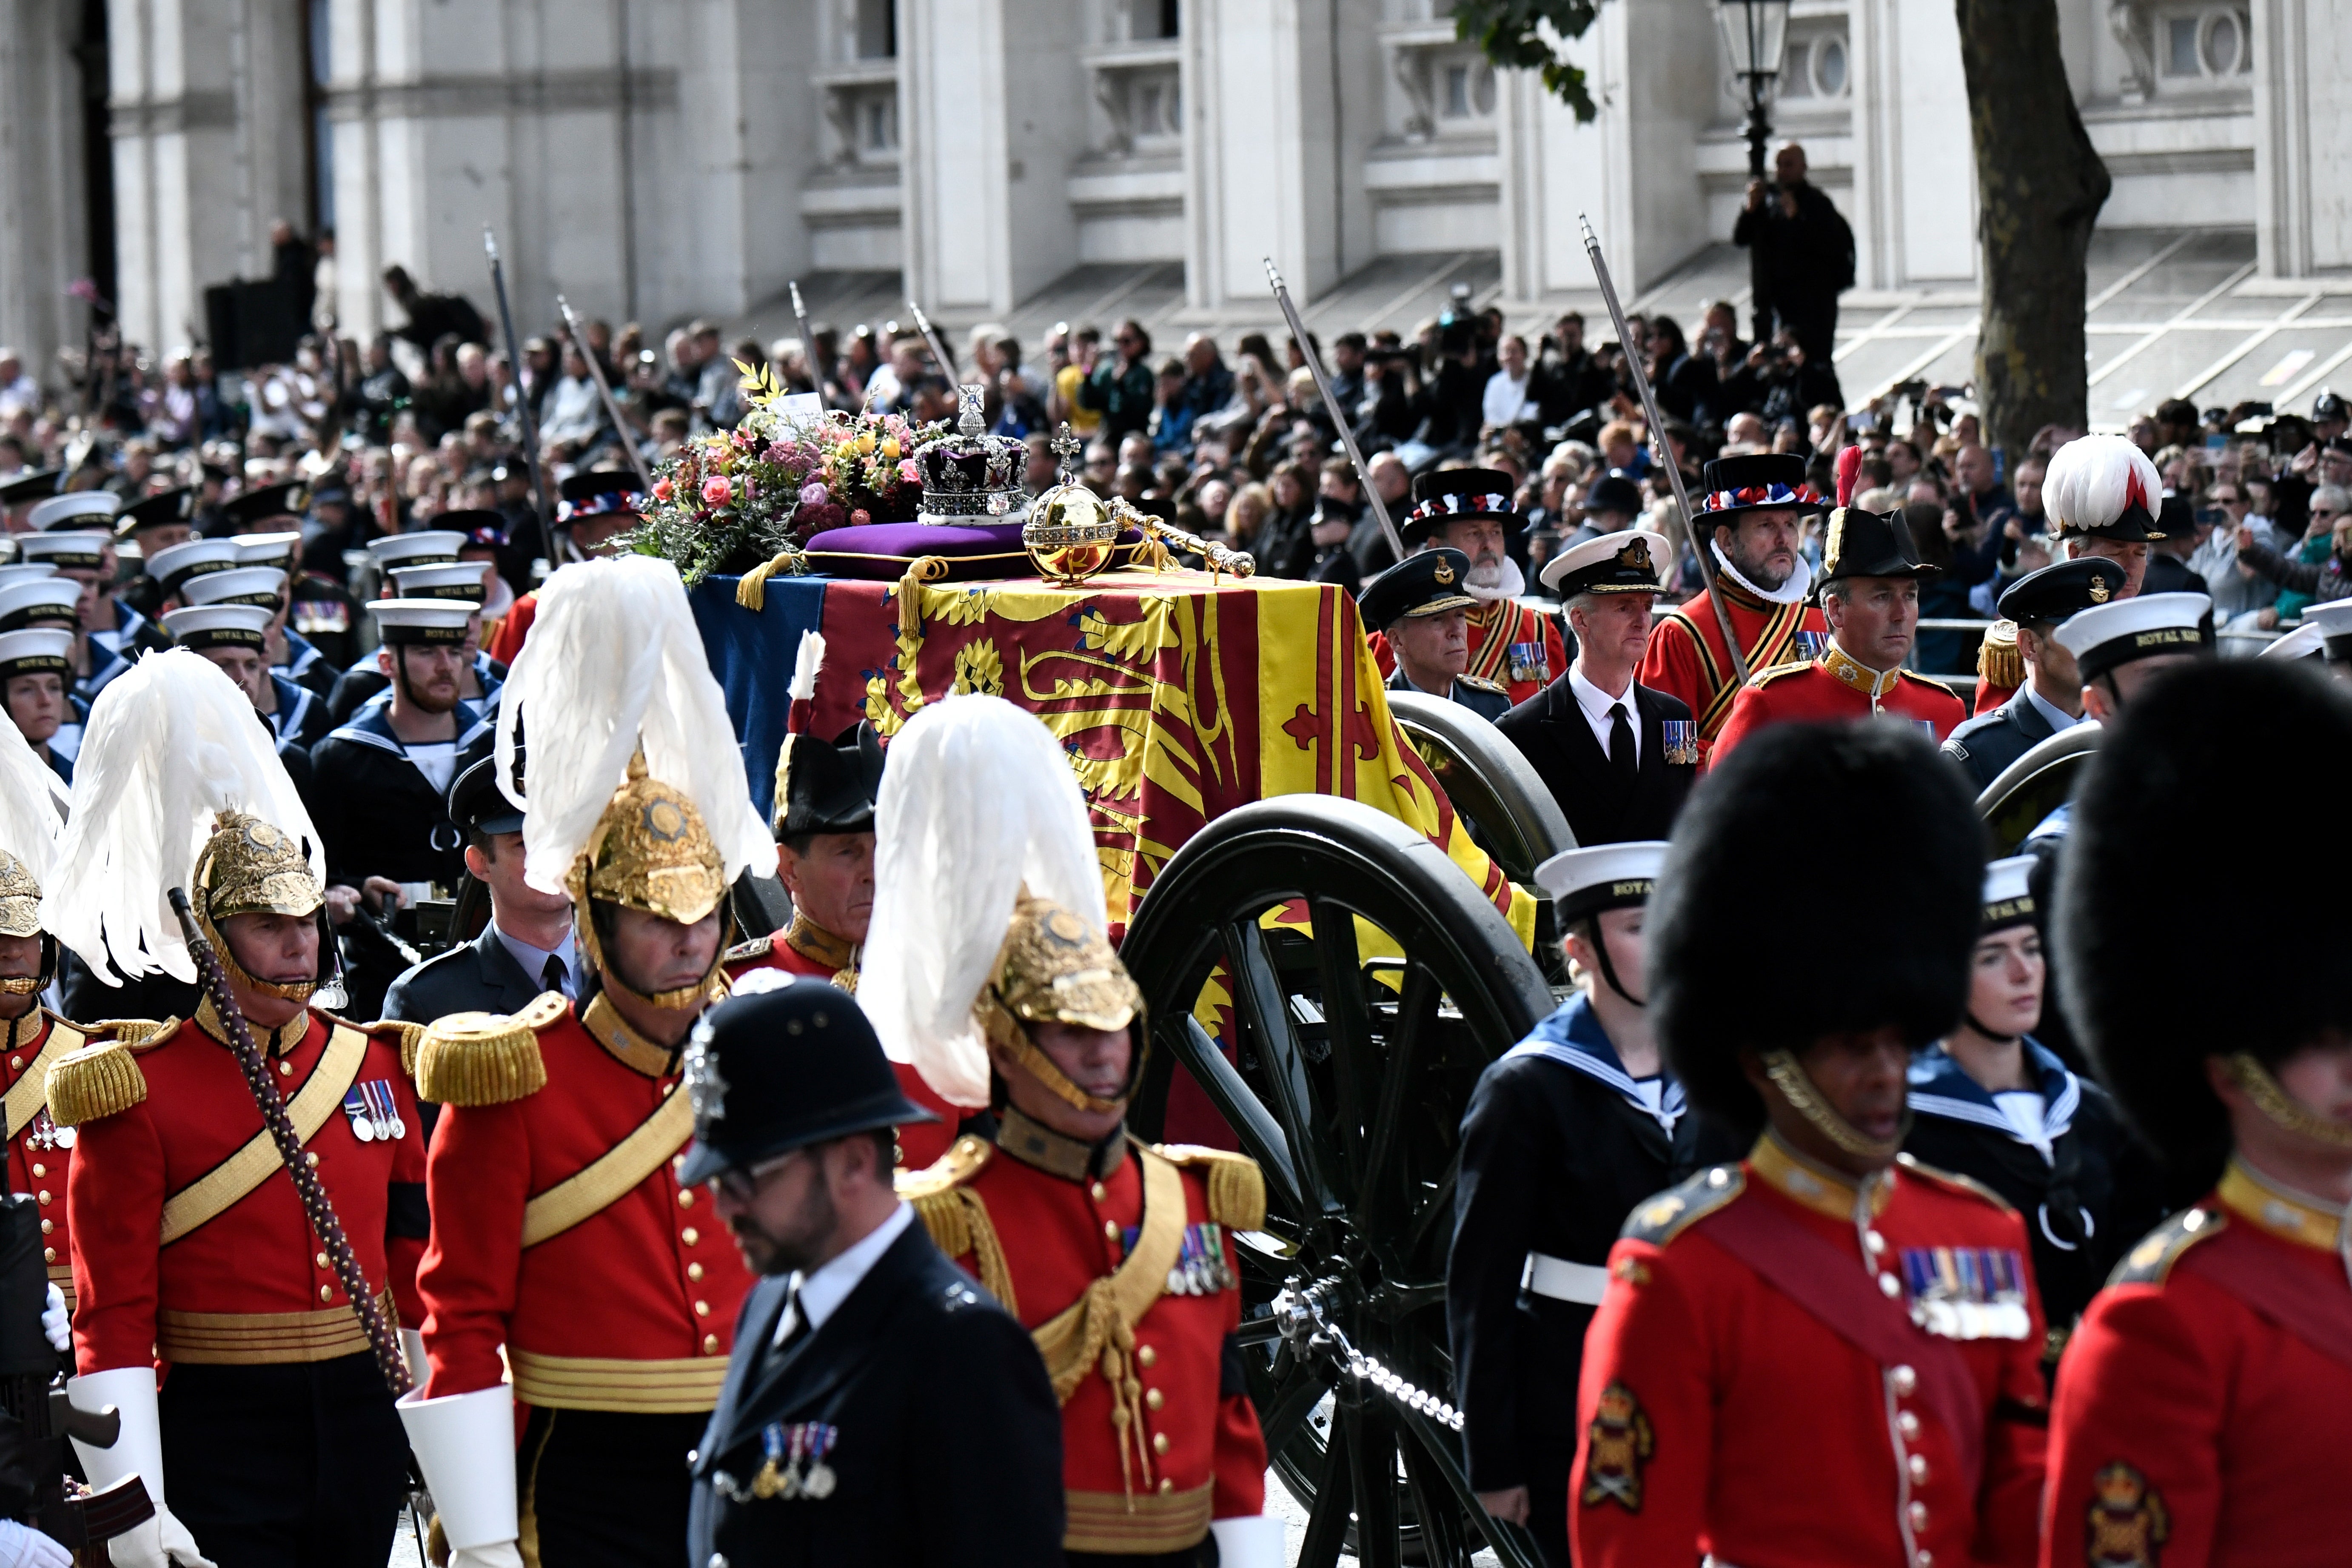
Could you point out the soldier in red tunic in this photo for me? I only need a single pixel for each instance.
(2204, 1407)
(1118, 1256)
(1749, 522)
(565, 1238)
(274, 1438)
(1870, 592)
(1470, 509)
(1827, 1354)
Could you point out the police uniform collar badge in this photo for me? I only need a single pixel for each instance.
(374, 1114)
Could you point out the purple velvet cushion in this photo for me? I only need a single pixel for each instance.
(884, 550)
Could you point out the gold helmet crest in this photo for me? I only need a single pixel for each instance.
(1055, 968)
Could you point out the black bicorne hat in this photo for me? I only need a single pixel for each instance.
(823, 788)
(1871, 545)
(775, 1070)
(1859, 789)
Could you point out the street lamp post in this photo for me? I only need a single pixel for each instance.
(1755, 36)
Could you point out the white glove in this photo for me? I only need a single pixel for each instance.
(159, 1542)
(54, 1323)
(22, 1546)
(137, 1451)
(465, 1444)
(1243, 1541)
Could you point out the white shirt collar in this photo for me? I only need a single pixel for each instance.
(820, 1294)
(2057, 717)
(534, 959)
(1595, 704)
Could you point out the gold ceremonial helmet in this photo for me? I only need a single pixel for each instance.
(20, 915)
(651, 850)
(1054, 968)
(250, 867)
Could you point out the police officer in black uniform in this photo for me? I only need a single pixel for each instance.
(1421, 589)
(2051, 697)
(827, 1444)
(1564, 1134)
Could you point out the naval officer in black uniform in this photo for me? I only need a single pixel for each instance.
(1619, 756)
(828, 1445)
(1564, 1134)
(1419, 605)
(2051, 697)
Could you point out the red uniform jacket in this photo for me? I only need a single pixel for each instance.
(40, 1153)
(1834, 687)
(1042, 1242)
(513, 627)
(1719, 1413)
(1686, 656)
(251, 1283)
(2204, 1407)
(802, 948)
(630, 1306)
(1516, 648)
(1989, 696)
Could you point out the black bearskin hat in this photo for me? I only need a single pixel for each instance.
(2268, 971)
(1881, 831)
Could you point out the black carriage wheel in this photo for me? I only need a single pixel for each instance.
(1488, 780)
(2037, 783)
(1346, 1084)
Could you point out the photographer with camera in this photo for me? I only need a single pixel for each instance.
(1807, 253)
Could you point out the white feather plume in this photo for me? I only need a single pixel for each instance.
(615, 661)
(978, 800)
(33, 803)
(806, 664)
(2093, 478)
(170, 743)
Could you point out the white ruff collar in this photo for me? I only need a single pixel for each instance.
(1792, 592)
(1514, 582)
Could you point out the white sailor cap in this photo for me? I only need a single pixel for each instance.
(1606, 877)
(452, 580)
(219, 626)
(1627, 562)
(2122, 630)
(267, 549)
(263, 585)
(39, 599)
(58, 510)
(2009, 894)
(427, 549)
(34, 650)
(194, 557)
(2333, 620)
(2301, 643)
(66, 552)
(399, 621)
(25, 571)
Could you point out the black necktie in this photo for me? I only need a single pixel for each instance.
(1621, 741)
(552, 977)
(795, 1325)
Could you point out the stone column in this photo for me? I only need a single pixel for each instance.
(2303, 120)
(1915, 170)
(44, 245)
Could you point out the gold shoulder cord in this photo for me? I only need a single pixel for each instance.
(1789, 1079)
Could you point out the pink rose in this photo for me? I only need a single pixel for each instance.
(861, 518)
(814, 495)
(663, 488)
(908, 473)
(715, 492)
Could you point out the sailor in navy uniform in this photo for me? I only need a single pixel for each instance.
(308, 598)
(1564, 1134)
(827, 1444)
(297, 715)
(1990, 1103)
(1418, 606)
(87, 558)
(459, 581)
(2051, 700)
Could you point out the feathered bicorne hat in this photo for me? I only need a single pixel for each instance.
(2102, 486)
(178, 785)
(988, 900)
(638, 796)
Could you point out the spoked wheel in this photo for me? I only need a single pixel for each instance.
(1488, 781)
(1356, 1051)
(2036, 785)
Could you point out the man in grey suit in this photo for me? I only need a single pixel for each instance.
(527, 948)
(2051, 697)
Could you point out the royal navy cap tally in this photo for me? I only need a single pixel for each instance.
(62, 511)
(454, 580)
(66, 552)
(1629, 561)
(262, 585)
(1605, 877)
(268, 549)
(1428, 584)
(174, 566)
(35, 650)
(39, 600)
(412, 621)
(2008, 893)
(429, 548)
(219, 626)
(2054, 593)
(2122, 630)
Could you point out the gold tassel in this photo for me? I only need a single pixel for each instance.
(942, 1215)
(922, 569)
(133, 1032)
(752, 592)
(1997, 658)
(93, 1083)
(479, 1058)
(1236, 1186)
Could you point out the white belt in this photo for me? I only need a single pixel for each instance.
(1562, 1280)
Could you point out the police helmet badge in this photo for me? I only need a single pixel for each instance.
(704, 1086)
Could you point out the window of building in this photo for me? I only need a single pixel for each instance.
(1796, 73)
(879, 125)
(1829, 68)
(877, 30)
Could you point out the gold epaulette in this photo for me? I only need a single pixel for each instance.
(94, 1082)
(1775, 672)
(745, 952)
(138, 1033)
(1236, 1186)
(1480, 683)
(485, 1059)
(412, 1037)
(1660, 1219)
(1955, 1181)
(2149, 1262)
(957, 1217)
(1998, 659)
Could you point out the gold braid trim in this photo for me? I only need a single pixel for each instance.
(922, 569)
(1998, 659)
(95, 1081)
(1788, 1076)
(2269, 1095)
(135, 1033)
(960, 1226)
(485, 1059)
(412, 1037)
(1236, 1185)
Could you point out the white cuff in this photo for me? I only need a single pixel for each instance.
(412, 1351)
(140, 1448)
(1243, 1541)
(465, 1444)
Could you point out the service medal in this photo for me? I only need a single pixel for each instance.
(818, 1484)
(362, 1115)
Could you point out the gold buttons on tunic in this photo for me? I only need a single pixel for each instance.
(1153, 1399)
(1145, 1356)
(326, 1293)
(285, 1068)
(17, 1063)
(48, 1255)
(40, 1169)
(689, 1235)
(1159, 1445)
(1918, 1467)
(322, 1260)
(702, 1308)
(47, 1225)
(1904, 1381)
(1166, 1486)
(1100, 1192)
(311, 1160)
(45, 1195)
(685, 1197)
(711, 1345)
(1908, 1425)
(694, 1271)
(1110, 1230)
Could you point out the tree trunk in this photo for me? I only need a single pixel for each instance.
(2039, 186)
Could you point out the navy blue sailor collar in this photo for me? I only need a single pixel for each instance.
(1939, 1087)
(372, 726)
(1572, 1037)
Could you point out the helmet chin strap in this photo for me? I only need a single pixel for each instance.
(2282, 1109)
(1609, 969)
(1990, 1034)
(1809, 1102)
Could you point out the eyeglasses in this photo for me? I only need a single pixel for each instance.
(741, 1183)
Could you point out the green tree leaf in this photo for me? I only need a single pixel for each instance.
(1512, 35)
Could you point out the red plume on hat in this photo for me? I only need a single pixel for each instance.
(1849, 469)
